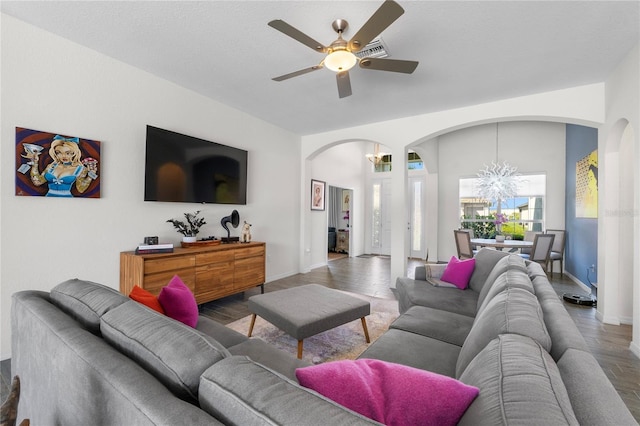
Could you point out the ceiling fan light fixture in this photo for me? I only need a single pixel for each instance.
(340, 60)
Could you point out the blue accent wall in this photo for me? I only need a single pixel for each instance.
(581, 246)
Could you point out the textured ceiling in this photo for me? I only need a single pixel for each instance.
(470, 52)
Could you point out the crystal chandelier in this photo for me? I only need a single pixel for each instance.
(498, 181)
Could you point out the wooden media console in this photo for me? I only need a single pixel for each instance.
(211, 272)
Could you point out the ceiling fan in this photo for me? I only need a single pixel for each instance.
(341, 56)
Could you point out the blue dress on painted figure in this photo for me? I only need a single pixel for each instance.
(65, 171)
(60, 186)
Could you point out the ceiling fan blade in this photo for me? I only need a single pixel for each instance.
(344, 84)
(386, 14)
(298, 35)
(297, 73)
(394, 65)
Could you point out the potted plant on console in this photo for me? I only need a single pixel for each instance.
(190, 229)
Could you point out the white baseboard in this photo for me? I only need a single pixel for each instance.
(582, 285)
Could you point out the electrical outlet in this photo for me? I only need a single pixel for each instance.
(592, 268)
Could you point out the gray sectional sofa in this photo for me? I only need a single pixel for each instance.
(88, 355)
(507, 334)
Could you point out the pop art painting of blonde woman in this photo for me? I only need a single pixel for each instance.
(55, 165)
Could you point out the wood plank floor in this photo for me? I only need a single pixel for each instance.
(369, 275)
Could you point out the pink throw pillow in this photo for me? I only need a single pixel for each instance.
(389, 393)
(459, 272)
(178, 302)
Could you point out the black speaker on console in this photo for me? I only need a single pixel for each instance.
(234, 220)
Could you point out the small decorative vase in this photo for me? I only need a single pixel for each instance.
(189, 239)
(499, 238)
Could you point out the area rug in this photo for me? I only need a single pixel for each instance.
(344, 342)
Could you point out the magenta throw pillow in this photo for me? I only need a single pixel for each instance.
(458, 272)
(178, 302)
(389, 393)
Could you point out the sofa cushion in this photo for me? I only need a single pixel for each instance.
(562, 329)
(506, 263)
(86, 301)
(414, 350)
(379, 389)
(593, 398)
(239, 391)
(178, 302)
(173, 352)
(458, 272)
(519, 384)
(486, 259)
(430, 322)
(534, 269)
(513, 311)
(512, 278)
(147, 298)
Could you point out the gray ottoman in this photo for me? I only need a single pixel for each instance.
(307, 310)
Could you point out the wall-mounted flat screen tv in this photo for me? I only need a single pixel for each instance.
(181, 168)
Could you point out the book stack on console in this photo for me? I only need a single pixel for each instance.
(155, 248)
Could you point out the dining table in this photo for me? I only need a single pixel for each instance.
(509, 244)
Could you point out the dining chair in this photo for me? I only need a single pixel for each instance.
(463, 244)
(557, 251)
(471, 236)
(529, 236)
(541, 250)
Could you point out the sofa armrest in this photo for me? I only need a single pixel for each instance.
(420, 273)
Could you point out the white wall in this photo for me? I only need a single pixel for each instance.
(341, 166)
(533, 147)
(51, 84)
(622, 110)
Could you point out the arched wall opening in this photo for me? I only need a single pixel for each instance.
(580, 105)
(427, 147)
(618, 286)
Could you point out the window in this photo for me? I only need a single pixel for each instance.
(524, 212)
(376, 211)
(414, 162)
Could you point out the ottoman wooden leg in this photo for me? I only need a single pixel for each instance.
(253, 322)
(366, 331)
(299, 349)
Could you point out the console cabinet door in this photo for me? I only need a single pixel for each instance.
(158, 272)
(214, 276)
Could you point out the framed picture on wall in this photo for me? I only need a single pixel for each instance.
(345, 200)
(587, 186)
(317, 194)
(53, 165)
